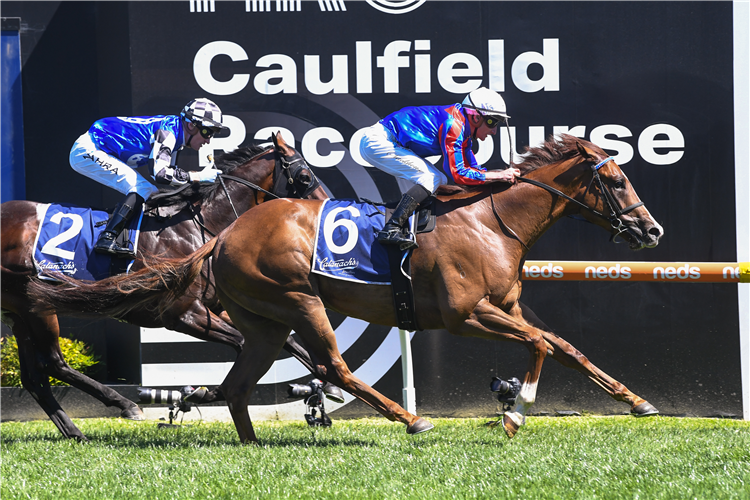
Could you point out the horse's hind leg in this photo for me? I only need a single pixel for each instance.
(567, 355)
(37, 383)
(311, 323)
(44, 332)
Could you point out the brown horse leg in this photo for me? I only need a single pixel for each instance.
(199, 322)
(331, 391)
(263, 339)
(37, 383)
(490, 322)
(316, 331)
(567, 355)
(44, 330)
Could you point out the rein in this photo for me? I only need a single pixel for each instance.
(615, 212)
(290, 168)
(236, 215)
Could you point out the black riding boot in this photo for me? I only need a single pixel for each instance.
(107, 243)
(395, 231)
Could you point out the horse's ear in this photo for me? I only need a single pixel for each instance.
(585, 152)
(275, 140)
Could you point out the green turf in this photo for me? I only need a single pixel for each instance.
(573, 457)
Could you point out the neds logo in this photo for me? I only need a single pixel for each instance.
(602, 272)
(683, 272)
(548, 271)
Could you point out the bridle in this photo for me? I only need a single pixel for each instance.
(615, 212)
(292, 168)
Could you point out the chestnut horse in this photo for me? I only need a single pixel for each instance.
(185, 219)
(466, 276)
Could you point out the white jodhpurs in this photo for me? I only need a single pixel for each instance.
(379, 148)
(97, 165)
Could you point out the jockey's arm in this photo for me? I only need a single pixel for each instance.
(459, 161)
(161, 160)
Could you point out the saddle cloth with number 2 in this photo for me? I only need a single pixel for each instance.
(66, 238)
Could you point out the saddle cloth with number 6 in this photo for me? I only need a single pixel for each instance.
(346, 245)
(66, 238)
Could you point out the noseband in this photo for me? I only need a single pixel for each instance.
(291, 183)
(615, 212)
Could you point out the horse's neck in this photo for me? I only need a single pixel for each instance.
(219, 212)
(528, 210)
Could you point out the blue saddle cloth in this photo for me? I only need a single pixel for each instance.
(66, 238)
(346, 245)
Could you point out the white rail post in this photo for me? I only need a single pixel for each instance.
(742, 182)
(408, 392)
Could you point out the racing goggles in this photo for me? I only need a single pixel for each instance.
(492, 121)
(206, 132)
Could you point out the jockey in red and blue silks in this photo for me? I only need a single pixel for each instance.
(438, 130)
(111, 150)
(400, 142)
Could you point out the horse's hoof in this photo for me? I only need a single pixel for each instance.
(133, 413)
(644, 409)
(333, 393)
(510, 425)
(419, 426)
(196, 396)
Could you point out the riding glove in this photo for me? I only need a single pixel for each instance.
(207, 175)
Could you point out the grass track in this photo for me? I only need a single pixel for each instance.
(575, 457)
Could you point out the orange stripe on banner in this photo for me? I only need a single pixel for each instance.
(674, 272)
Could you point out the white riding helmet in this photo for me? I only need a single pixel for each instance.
(204, 113)
(487, 102)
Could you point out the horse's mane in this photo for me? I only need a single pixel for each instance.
(226, 162)
(556, 148)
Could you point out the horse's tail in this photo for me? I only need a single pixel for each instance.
(155, 288)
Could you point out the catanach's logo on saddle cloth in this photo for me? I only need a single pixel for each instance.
(345, 243)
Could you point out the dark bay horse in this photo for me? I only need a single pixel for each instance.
(466, 276)
(185, 220)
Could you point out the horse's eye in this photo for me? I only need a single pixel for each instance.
(619, 184)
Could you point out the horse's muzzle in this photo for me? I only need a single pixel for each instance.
(642, 232)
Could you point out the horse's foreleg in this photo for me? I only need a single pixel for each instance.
(263, 339)
(319, 337)
(198, 321)
(331, 391)
(567, 355)
(490, 322)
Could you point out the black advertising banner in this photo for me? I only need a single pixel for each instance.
(650, 82)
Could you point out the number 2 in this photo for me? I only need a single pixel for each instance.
(51, 247)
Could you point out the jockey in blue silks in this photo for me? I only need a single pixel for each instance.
(398, 144)
(111, 150)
